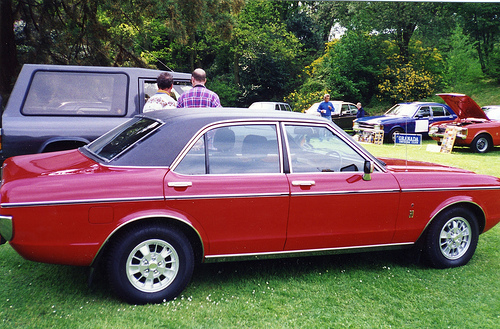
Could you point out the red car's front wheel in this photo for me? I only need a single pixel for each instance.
(452, 238)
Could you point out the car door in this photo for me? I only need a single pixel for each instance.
(440, 113)
(231, 184)
(421, 120)
(331, 206)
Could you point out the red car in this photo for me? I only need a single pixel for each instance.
(170, 189)
(474, 128)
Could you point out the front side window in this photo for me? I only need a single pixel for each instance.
(318, 149)
(77, 94)
(238, 149)
(424, 112)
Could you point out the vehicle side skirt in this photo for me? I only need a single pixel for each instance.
(300, 253)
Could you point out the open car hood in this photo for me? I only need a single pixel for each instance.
(463, 106)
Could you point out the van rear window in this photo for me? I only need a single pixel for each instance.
(77, 94)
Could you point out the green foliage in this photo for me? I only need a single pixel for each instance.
(268, 55)
(348, 71)
(413, 78)
(482, 22)
(259, 49)
(226, 88)
(461, 64)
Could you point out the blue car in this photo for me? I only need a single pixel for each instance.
(410, 118)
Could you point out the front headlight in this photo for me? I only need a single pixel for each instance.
(433, 130)
(462, 133)
(355, 125)
(378, 127)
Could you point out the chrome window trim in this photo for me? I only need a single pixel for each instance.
(346, 192)
(364, 154)
(230, 123)
(456, 188)
(80, 201)
(235, 195)
(107, 161)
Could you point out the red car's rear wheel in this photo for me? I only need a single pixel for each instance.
(150, 264)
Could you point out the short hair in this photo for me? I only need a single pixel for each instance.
(326, 95)
(165, 80)
(199, 75)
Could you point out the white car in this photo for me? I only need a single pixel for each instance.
(270, 106)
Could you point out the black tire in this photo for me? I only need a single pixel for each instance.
(392, 135)
(481, 144)
(150, 264)
(452, 238)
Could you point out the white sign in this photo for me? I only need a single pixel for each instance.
(421, 126)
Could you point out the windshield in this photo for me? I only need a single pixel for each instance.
(401, 110)
(122, 137)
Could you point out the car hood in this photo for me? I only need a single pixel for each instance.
(463, 106)
(383, 119)
(401, 165)
(424, 176)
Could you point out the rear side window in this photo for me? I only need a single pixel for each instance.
(237, 149)
(439, 111)
(123, 137)
(77, 94)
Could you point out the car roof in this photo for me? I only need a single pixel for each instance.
(134, 72)
(181, 125)
(205, 116)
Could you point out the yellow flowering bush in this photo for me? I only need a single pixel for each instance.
(411, 79)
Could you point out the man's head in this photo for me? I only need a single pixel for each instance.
(326, 98)
(165, 81)
(198, 77)
(358, 105)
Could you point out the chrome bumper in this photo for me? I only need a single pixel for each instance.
(5, 229)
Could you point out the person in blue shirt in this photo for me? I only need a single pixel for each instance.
(361, 111)
(325, 108)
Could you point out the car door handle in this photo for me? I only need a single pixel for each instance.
(179, 184)
(303, 183)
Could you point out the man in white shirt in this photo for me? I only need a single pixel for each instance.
(162, 99)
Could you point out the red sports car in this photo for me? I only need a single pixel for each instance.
(473, 127)
(170, 189)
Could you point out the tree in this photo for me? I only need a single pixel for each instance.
(461, 63)
(412, 78)
(348, 70)
(482, 22)
(8, 55)
(266, 55)
(397, 21)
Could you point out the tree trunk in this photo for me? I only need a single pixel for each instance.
(8, 58)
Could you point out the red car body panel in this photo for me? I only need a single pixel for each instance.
(472, 117)
(245, 214)
(339, 211)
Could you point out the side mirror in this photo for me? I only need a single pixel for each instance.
(368, 170)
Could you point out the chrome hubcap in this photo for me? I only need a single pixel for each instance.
(482, 144)
(152, 265)
(455, 238)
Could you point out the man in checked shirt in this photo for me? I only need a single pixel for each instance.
(199, 95)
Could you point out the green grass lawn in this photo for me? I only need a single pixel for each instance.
(368, 290)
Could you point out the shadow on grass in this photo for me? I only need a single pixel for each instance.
(218, 273)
